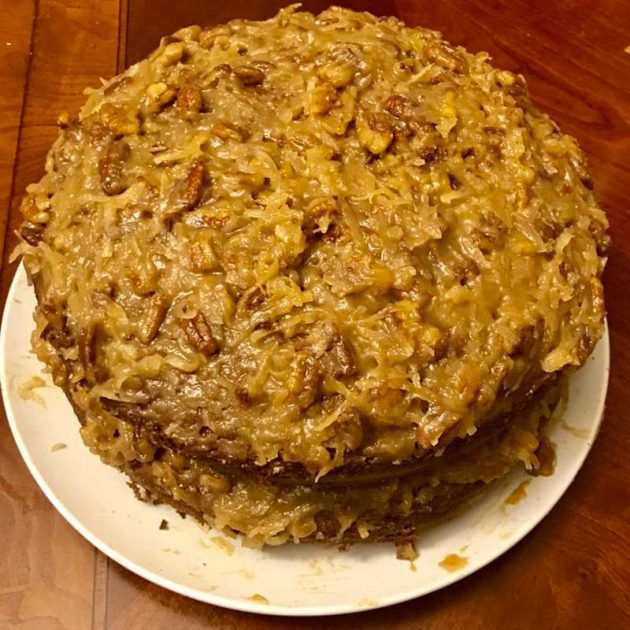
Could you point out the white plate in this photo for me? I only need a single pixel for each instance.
(292, 580)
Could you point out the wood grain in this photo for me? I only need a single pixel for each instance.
(573, 571)
(47, 571)
(16, 35)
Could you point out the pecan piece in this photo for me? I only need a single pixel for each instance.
(172, 53)
(188, 192)
(398, 105)
(195, 181)
(201, 257)
(340, 361)
(320, 99)
(446, 57)
(249, 76)
(332, 350)
(340, 67)
(119, 120)
(200, 334)
(159, 95)
(189, 98)
(152, 318)
(228, 131)
(111, 168)
(304, 380)
(374, 132)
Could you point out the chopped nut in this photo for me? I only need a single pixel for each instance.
(159, 95)
(374, 131)
(155, 90)
(338, 75)
(398, 106)
(111, 168)
(202, 258)
(171, 54)
(189, 98)
(227, 131)
(194, 183)
(333, 351)
(187, 193)
(56, 332)
(304, 380)
(518, 91)
(340, 360)
(200, 334)
(320, 99)
(453, 182)
(446, 57)
(190, 33)
(585, 345)
(249, 76)
(164, 524)
(341, 66)
(152, 318)
(119, 120)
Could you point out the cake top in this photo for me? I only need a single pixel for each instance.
(314, 239)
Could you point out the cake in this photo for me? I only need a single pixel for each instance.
(315, 278)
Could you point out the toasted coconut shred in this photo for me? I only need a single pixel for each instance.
(314, 278)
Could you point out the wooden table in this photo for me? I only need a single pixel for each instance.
(573, 571)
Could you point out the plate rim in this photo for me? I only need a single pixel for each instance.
(241, 605)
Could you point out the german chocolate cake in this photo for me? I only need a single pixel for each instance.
(316, 278)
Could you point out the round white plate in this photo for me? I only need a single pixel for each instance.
(294, 579)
